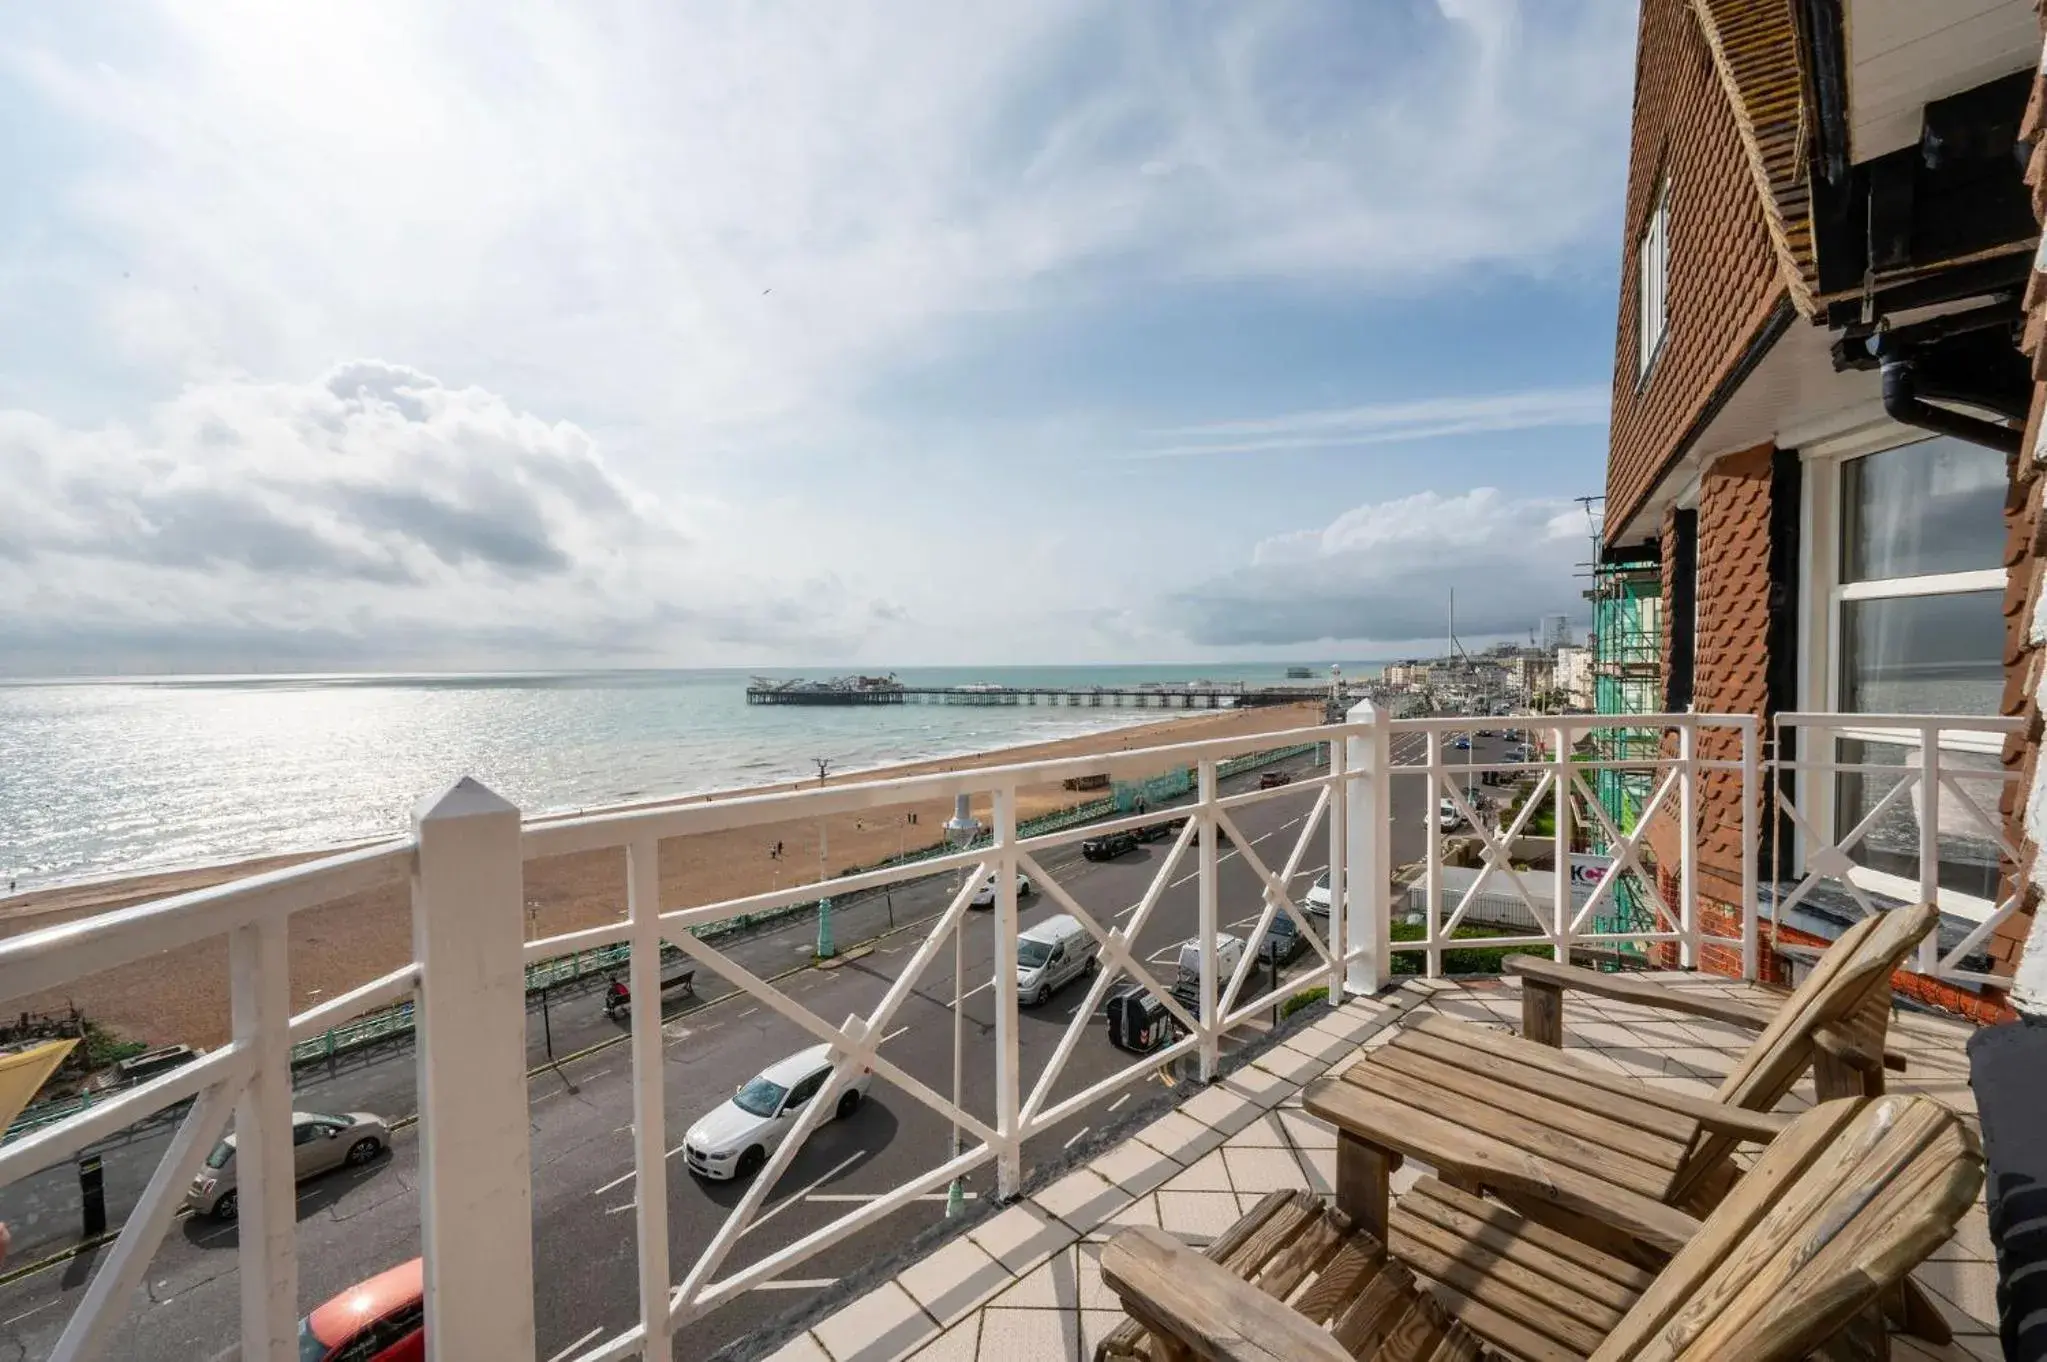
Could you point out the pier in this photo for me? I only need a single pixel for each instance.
(887, 691)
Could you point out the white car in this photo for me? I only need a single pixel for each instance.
(984, 895)
(735, 1140)
(1316, 900)
(1447, 817)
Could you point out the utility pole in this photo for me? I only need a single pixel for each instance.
(825, 948)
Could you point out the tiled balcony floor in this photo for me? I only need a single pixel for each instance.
(1025, 1285)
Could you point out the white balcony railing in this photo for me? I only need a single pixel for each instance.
(1372, 801)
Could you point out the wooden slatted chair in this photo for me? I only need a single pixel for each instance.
(1833, 1023)
(1838, 1210)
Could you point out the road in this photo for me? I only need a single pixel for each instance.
(354, 1223)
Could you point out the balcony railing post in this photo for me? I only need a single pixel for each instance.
(1008, 1059)
(1432, 870)
(1929, 839)
(1367, 888)
(1562, 905)
(1751, 851)
(1207, 919)
(650, 1161)
(1339, 835)
(475, 1165)
(260, 992)
(1688, 841)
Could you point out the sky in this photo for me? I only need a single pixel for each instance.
(438, 335)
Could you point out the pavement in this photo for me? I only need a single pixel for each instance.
(355, 1223)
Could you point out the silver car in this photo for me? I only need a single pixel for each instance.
(318, 1143)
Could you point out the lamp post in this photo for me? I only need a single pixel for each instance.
(959, 834)
(825, 949)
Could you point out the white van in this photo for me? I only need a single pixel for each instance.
(1050, 954)
(1229, 951)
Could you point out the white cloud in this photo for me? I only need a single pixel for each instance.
(696, 219)
(373, 512)
(1383, 573)
(704, 236)
(1389, 422)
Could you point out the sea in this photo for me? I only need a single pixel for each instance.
(112, 776)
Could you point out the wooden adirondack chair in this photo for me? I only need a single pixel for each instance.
(1839, 1208)
(1834, 1023)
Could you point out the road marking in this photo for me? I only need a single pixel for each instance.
(1159, 956)
(1196, 874)
(629, 1176)
(577, 1346)
(26, 1313)
(614, 1210)
(972, 991)
(551, 1092)
(1079, 1137)
(1119, 1101)
(799, 1284)
(876, 1196)
(1296, 822)
(893, 1034)
(1256, 840)
(766, 1216)
(1131, 909)
(748, 1013)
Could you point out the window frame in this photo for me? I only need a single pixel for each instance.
(1655, 231)
(1823, 594)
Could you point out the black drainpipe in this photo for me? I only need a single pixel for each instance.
(1944, 358)
(1903, 404)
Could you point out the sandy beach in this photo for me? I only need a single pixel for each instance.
(183, 995)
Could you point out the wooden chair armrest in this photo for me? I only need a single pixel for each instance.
(1854, 1054)
(1360, 1113)
(1620, 988)
(1178, 1294)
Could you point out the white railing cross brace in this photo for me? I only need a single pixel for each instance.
(1495, 856)
(1626, 854)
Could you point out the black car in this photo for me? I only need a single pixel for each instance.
(1108, 846)
(1282, 943)
(1159, 832)
(1272, 780)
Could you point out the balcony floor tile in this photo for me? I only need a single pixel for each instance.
(1180, 1138)
(1197, 1217)
(1029, 1335)
(881, 1326)
(1022, 1237)
(1083, 1199)
(952, 1281)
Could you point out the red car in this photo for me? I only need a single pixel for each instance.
(380, 1320)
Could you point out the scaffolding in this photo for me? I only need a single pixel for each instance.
(1627, 678)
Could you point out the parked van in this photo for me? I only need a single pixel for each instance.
(1050, 954)
(1228, 951)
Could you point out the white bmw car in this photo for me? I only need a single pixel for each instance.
(984, 893)
(735, 1140)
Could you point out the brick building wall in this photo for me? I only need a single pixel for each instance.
(1724, 281)
(1731, 663)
